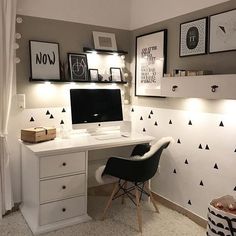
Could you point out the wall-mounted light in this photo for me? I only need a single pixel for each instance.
(47, 82)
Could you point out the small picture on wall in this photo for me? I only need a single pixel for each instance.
(93, 74)
(223, 32)
(78, 66)
(44, 60)
(116, 75)
(193, 38)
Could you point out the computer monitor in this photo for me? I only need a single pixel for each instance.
(93, 108)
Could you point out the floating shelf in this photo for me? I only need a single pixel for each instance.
(106, 52)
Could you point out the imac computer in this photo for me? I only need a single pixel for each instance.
(94, 109)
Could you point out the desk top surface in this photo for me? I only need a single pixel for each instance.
(82, 142)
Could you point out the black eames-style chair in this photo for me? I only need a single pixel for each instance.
(137, 170)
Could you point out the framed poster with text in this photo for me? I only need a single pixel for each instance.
(150, 63)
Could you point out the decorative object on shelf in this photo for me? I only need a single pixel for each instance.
(193, 38)
(78, 66)
(223, 32)
(44, 60)
(93, 74)
(150, 63)
(105, 41)
(116, 75)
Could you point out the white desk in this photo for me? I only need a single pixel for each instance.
(54, 179)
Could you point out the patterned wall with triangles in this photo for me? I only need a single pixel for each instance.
(200, 165)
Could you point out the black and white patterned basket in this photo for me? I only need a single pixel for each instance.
(220, 223)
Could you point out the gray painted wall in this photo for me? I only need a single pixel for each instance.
(219, 63)
(72, 37)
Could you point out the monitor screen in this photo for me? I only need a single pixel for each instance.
(95, 105)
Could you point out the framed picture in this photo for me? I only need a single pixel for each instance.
(93, 74)
(44, 60)
(104, 41)
(223, 32)
(78, 66)
(116, 75)
(193, 38)
(150, 63)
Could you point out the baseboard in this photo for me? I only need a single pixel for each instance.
(167, 203)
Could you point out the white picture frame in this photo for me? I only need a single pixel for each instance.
(104, 41)
(44, 60)
(222, 32)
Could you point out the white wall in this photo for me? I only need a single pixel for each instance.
(108, 13)
(148, 12)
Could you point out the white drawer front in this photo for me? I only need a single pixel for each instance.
(60, 188)
(56, 211)
(62, 164)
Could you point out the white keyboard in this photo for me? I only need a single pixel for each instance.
(108, 136)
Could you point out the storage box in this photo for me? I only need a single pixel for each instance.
(38, 134)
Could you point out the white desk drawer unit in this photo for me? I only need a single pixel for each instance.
(62, 164)
(60, 210)
(60, 188)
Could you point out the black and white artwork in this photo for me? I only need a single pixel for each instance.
(116, 75)
(193, 38)
(223, 32)
(78, 66)
(150, 63)
(93, 74)
(44, 60)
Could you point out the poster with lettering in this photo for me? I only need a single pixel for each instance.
(44, 58)
(150, 63)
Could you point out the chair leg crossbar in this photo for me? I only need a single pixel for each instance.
(120, 190)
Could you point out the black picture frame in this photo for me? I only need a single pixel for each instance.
(92, 73)
(44, 61)
(158, 40)
(78, 66)
(116, 74)
(193, 37)
(221, 38)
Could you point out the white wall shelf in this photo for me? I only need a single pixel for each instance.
(205, 86)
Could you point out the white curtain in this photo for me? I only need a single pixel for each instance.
(7, 73)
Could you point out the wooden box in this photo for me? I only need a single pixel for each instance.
(38, 134)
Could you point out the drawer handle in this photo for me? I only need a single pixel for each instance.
(174, 88)
(64, 164)
(63, 187)
(63, 209)
(213, 88)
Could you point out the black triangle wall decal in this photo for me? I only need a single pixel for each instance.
(235, 188)
(144, 130)
(221, 124)
(200, 146)
(189, 202)
(62, 122)
(170, 122)
(132, 110)
(51, 116)
(141, 118)
(186, 162)
(201, 183)
(235, 150)
(151, 112)
(179, 141)
(216, 166)
(156, 124)
(32, 119)
(207, 147)
(63, 110)
(149, 117)
(47, 113)
(190, 123)
(174, 171)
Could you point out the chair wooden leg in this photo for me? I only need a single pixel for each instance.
(110, 200)
(152, 198)
(138, 205)
(123, 197)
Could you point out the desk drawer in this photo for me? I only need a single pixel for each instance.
(60, 188)
(61, 210)
(62, 164)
